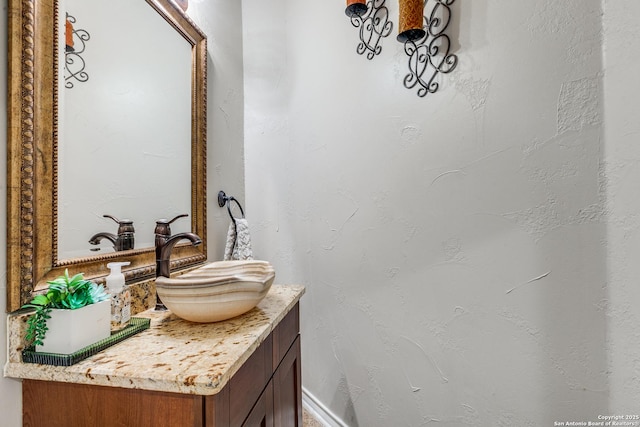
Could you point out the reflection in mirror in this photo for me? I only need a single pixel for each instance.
(131, 119)
(34, 167)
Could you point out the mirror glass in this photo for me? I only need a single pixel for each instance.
(128, 141)
(124, 123)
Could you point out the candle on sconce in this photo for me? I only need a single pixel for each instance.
(356, 8)
(411, 20)
(68, 36)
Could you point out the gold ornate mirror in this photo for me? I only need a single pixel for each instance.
(33, 147)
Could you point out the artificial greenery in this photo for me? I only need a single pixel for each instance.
(65, 293)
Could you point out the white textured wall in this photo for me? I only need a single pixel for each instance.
(453, 247)
(622, 154)
(221, 21)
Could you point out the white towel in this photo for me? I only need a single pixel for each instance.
(238, 241)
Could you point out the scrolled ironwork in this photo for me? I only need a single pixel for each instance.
(430, 55)
(374, 24)
(74, 63)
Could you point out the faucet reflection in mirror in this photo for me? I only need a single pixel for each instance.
(164, 245)
(123, 241)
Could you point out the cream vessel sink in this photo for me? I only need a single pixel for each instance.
(217, 291)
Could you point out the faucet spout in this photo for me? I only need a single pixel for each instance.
(164, 248)
(123, 241)
(164, 245)
(96, 238)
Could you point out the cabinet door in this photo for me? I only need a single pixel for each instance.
(262, 413)
(287, 389)
(248, 384)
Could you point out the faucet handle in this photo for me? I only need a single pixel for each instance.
(179, 216)
(124, 226)
(163, 226)
(116, 220)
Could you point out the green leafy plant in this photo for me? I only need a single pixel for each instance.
(64, 293)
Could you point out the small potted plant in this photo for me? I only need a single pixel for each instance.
(72, 314)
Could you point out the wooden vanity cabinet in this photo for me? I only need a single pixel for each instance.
(265, 392)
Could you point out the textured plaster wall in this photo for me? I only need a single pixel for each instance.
(621, 160)
(453, 247)
(221, 21)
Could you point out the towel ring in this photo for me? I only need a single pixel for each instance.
(223, 199)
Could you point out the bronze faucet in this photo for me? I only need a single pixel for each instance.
(123, 241)
(164, 245)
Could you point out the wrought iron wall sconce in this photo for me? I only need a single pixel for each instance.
(428, 48)
(372, 18)
(422, 27)
(75, 43)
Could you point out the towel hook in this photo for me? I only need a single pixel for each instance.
(223, 199)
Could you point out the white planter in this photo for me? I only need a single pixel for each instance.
(71, 330)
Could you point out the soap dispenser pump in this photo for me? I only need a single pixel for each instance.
(120, 296)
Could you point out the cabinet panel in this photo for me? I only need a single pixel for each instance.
(53, 404)
(262, 413)
(284, 335)
(287, 389)
(216, 409)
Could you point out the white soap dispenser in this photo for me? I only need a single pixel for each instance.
(120, 296)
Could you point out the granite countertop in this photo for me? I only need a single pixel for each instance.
(174, 355)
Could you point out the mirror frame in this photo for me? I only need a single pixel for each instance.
(32, 155)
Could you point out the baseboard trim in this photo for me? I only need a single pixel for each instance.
(319, 411)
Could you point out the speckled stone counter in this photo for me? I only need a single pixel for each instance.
(172, 356)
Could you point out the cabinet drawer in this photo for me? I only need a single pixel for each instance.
(53, 404)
